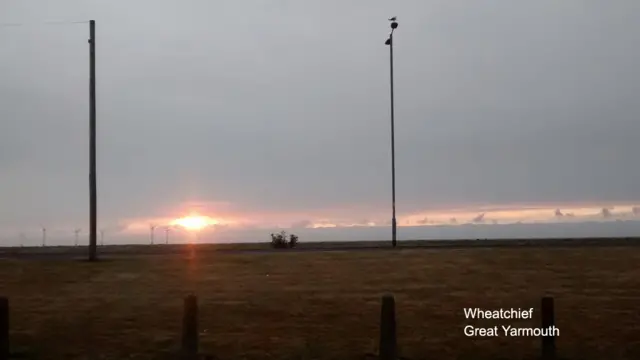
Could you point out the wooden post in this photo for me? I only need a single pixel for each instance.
(93, 187)
(388, 341)
(4, 328)
(190, 328)
(548, 320)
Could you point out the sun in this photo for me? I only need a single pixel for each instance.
(194, 222)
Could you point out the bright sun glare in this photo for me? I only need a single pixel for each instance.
(194, 222)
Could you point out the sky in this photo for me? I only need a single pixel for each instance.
(275, 114)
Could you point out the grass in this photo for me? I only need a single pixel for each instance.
(323, 305)
(111, 249)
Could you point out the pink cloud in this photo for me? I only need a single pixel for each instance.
(228, 215)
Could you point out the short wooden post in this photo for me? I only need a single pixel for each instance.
(4, 328)
(190, 328)
(548, 321)
(388, 340)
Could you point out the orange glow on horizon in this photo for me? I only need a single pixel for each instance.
(194, 222)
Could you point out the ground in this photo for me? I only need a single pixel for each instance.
(324, 305)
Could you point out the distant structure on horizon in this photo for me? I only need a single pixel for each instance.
(152, 229)
(166, 234)
(77, 233)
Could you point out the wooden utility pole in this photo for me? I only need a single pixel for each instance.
(93, 191)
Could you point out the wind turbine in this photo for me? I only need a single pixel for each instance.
(44, 235)
(152, 228)
(22, 239)
(77, 232)
(166, 234)
(102, 237)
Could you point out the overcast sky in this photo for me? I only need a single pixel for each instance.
(279, 109)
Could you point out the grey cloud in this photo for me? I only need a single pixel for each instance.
(288, 111)
(478, 219)
(302, 224)
(364, 222)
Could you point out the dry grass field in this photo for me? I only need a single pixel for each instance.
(323, 305)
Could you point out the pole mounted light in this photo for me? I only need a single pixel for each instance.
(389, 42)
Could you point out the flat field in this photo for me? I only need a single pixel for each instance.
(323, 305)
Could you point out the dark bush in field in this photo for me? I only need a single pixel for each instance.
(280, 241)
(293, 240)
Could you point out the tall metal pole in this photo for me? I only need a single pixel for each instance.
(389, 42)
(93, 191)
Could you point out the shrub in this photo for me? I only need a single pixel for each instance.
(280, 241)
(293, 240)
